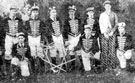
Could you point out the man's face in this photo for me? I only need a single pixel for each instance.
(87, 32)
(71, 13)
(90, 14)
(107, 7)
(53, 13)
(13, 12)
(121, 30)
(21, 39)
(34, 14)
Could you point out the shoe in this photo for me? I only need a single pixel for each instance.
(13, 76)
(20, 79)
(118, 73)
(13, 79)
(89, 73)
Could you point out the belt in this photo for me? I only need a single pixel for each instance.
(12, 35)
(74, 35)
(34, 35)
(56, 35)
(122, 50)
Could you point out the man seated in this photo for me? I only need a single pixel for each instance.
(21, 55)
(124, 47)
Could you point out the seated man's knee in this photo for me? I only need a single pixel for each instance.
(128, 54)
(15, 61)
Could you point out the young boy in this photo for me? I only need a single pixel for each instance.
(21, 56)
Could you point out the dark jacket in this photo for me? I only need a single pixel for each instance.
(50, 30)
(17, 48)
(41, 29)
(88, 45)
(67, 28)
(96, 28)
(129, 43)
(5, 25)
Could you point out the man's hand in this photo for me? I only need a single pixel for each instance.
(106, 35)
(67, 43)
(73, 49)
(91, 55)
(34, 57)
(121, 52)
(111, 33)
(25, 58)
(8, 57)
(42, 44)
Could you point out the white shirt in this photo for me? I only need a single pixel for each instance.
(104, 22)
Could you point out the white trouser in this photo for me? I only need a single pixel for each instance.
(58, 46)
(73, 41)
(86, 60)
(123, 57)
(9, 41)
(22, 64)
(35, 47)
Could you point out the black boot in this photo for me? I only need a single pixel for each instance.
(6, 69)
(77, 63)
(14, 72)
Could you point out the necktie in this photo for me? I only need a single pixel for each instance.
(21, 45)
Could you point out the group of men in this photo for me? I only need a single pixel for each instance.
(24, 41)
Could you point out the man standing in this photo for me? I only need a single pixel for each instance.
(91, 20)
(35, 31)
(21, 57)
(72, 25)
(72, 32)
(124, 46)
(108, 23)
(11, 26)
(55, 36)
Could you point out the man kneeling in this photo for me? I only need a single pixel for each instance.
(89, 47)
(21, 55)
(124, 46)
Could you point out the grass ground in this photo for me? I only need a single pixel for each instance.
(108, 77)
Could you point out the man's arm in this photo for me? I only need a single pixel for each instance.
(95, 47)
(129, 43)
(102, 23)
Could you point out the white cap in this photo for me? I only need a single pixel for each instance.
(20, 34)
(72, 7)
(52, 8)
(87, 27)
(122, 24)
(34, 7)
